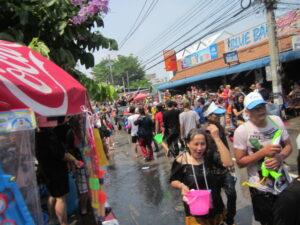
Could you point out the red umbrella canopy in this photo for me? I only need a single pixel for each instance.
(140, 96)
(29, 80)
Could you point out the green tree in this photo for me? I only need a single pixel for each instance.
(98, 91)
(120, 68)
(51, 23)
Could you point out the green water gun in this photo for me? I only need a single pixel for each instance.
(264, 170)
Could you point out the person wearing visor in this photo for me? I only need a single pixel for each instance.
(223, 175)
(253, 145)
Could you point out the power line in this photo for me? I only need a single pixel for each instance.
(135, 22)
(288, 3)
(209, 14)
(162, 34)
(179, 22)
(148, 12)
(157, 55)
(217, 29)
(210, 32)
(219, 10)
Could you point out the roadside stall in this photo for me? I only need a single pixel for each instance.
(35, 86)
(19, 199)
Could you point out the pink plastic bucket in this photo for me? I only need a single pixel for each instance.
(199, 202)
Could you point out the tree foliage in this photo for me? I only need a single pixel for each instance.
(120, 67)
(51, 22)
(40, 47)
(98, 91)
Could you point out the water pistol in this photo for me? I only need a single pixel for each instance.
(270, 172)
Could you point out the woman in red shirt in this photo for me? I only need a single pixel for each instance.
(159, 119)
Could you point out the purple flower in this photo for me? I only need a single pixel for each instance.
(92, 8)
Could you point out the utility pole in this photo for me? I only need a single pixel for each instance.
(110, 64)
(127, 80)
(124, 88)
(274, 52)
(110, 70)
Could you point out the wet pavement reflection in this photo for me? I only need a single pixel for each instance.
(140, 193)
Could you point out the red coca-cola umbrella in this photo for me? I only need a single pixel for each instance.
(140, 96)
(29, 80)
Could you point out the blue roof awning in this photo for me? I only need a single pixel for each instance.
(254, 64)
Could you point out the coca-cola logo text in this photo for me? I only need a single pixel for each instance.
(28, 69)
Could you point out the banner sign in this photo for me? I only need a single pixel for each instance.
(296, 42)
(17, 120)
(286, 24)
(170, 60)
(231, 57)
(201, 56)
(245, 39)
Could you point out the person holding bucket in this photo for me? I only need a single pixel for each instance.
(191, 174)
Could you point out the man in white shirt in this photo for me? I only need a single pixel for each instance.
(253, 145)
(133, 128)
(188, 120)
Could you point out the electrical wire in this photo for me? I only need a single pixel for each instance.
(247, 6)
(210, 32)
(288, 3)
(169, 34)
(207, 27)
(148, 12)
(135, 22)
(158, 55)
(178, 24)
(287, 8)
(219, 10)
(210, 14)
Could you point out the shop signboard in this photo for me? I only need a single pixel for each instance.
(286, 24)
(200, 56)
(231, 57)
(247, 38)
(296, 42)
(170, 60)
(17, 120)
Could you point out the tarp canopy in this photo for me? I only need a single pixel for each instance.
(29, 80)
(258, 63)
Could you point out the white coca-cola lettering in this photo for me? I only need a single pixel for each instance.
(22, 72)
(19, 67)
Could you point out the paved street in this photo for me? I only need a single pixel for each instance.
(142, 196)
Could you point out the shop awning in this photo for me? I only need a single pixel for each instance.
(254, 64)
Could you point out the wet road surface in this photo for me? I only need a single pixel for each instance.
(140, 193)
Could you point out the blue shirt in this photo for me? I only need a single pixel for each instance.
(200, 112)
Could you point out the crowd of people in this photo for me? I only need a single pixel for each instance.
(195, 127)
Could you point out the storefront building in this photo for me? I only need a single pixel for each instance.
(247, 56)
